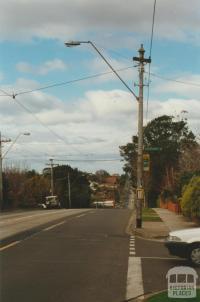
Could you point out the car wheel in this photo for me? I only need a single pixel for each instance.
(194, 254)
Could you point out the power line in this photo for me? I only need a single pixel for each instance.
(67, 82)
(174, 80)
(5, 93)
(42, 123)
(150, 52)
(87, 160)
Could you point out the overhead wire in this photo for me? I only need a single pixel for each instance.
(150, 55)
(69, 82)
(175, 80)
(40, 121)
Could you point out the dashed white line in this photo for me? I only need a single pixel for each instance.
(80, 215)
(54, 226)
(9, 245)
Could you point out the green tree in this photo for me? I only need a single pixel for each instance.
(190, 202)
(65, 176)
(170, 137)
(33, 190)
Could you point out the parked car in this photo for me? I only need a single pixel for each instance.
(185, 243)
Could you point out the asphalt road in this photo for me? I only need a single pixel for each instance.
(30, 221)
(80, 258)
(156, 261)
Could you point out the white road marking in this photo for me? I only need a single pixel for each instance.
(9, 245)
(134, 286)
(80, 215)
(54, 226)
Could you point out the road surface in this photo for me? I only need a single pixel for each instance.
(79, 255)
(83, 257)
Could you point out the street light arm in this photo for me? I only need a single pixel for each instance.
(26, 133)
(115, 72)
(77, 43)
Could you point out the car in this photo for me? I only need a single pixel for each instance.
(185, 243)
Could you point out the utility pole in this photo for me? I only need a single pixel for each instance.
(1, 170)
(51, 164)
(140, 189)
(69, 190)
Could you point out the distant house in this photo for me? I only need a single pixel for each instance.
(111, 180)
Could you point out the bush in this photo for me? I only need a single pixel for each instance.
(190, 202)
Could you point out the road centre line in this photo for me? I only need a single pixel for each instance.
(54, 226)
(9, 245)
(80, 215)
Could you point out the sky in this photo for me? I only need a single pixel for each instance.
(83, 113)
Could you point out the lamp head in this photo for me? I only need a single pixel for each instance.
(72, 43)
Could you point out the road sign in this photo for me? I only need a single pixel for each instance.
(153, 149)
(146, 162)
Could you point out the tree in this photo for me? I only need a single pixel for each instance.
(33, 190)
(65, 177)
(190, 202)
(169, 137)
(101, 175)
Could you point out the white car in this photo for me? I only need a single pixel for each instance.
(185, 243)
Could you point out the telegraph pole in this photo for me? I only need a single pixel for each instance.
(51, 164)
(140, 188)
(1, 170)
(69, 189)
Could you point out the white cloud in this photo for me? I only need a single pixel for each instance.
(42, 69)
(178, 20)
(96, 124)
(187, 86)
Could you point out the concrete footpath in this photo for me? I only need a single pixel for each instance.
(160, 229)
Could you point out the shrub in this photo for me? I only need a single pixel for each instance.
(190, 202)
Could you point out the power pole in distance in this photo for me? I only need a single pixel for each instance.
(51, 164)
(140, 189)
(1, 170)
(69, 190)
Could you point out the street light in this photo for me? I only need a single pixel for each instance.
(1, 159)
(17, 137)
(142, 61)
(77, 43)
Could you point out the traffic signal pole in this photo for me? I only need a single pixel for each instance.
(140, 188)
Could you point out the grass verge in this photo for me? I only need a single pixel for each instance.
(149, 214)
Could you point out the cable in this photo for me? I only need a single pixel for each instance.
(87, 160)
(113, 51)
(43, 124)
(174, 80)
(150, 52)
(6, 94)
(68, 82)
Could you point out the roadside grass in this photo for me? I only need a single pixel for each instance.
(163, 297)
(149, 214)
